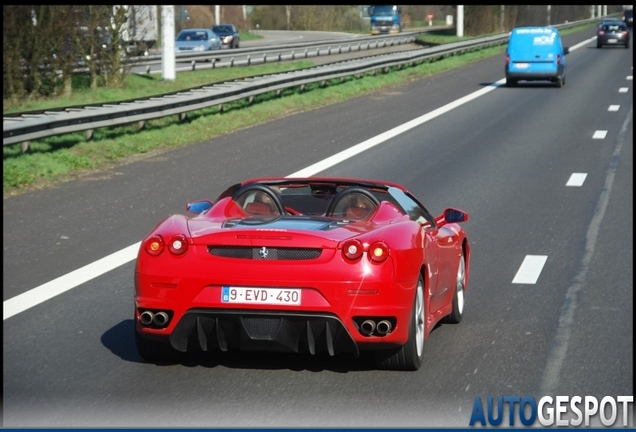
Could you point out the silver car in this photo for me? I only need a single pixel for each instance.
(197, 40)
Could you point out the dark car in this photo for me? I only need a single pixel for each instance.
(628, 17)
(228, 33)
(612, 33)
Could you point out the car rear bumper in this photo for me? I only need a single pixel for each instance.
(535, 75)
(262, 331)
(612, 41)
(333, 305)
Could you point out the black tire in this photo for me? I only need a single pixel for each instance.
(598, 45)
(510, 82)
(457, 313)
(559, 82)
(409, 356)
(156, 351)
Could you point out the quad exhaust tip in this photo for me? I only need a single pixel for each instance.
(370, 327)
(158, 319)
(367, 327)
(384, 327)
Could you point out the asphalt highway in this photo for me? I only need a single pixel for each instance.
(546, 175)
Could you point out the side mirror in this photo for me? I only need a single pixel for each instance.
(198, 207)
(566, 51)
(452, 215)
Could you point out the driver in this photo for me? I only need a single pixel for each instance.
(260, 204)
(359, 207)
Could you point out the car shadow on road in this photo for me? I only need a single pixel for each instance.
(120, 341)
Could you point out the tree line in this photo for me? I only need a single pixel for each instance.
(45, 45)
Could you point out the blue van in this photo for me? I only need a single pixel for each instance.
(535, 54)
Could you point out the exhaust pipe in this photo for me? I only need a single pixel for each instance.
(367, 327)
(384, 327)
(146, 318)
(161, 319)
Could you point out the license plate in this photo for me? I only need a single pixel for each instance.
(611, 41)
(250, 295)
(522, 65)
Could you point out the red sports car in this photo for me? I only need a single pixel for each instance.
(333, 265)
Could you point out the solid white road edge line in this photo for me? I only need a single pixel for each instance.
(372, 142)
(40, 294)
(64, 283)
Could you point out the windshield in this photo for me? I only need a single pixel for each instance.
(384, 10)
(192, 35)
(614, 28)
(222, 29)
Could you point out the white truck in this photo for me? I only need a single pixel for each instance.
(141, 32)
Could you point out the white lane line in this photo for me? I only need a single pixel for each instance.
(62, 284)
(38, 295)
(623, 90)
(550, 383)
(576, 179)
(530, 269)
(613, 108)
(629, 77)
(599, 134)
(372, 142)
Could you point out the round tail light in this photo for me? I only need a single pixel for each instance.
(178, 244)
(352, 249)
(378, 252)
(155, 245)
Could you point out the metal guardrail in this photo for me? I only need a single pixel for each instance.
(26, 127)
(225, 56)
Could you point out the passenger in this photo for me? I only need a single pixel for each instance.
(261, 204)
(358, 207)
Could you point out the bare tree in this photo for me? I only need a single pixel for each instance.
(54, 53)
(116, 67)
(93, 39)
(14, 20)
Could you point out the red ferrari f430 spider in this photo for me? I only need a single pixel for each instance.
(317, 265)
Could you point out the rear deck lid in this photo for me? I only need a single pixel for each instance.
(306, 231)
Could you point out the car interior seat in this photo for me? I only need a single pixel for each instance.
(259, 200)
(352, 203)
(259, 209)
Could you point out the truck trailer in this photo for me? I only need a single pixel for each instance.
(141, 31)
